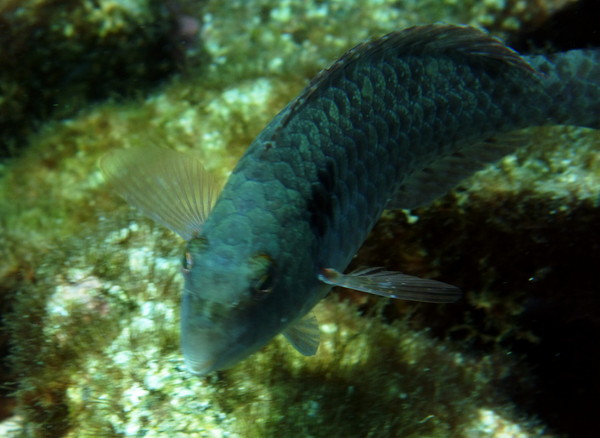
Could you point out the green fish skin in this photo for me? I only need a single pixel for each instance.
(394, 122)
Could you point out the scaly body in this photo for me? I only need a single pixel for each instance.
(399, 119)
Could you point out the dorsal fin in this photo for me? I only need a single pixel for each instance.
(418, 40)
(447, 38)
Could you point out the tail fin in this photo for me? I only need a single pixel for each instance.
(573, 80)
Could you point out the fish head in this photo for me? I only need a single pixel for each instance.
(222, 320)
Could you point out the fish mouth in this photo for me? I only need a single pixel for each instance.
(200, 367)
(218, 360)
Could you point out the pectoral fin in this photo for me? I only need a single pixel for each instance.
(304, 335)
(392, 284)
(170, 187)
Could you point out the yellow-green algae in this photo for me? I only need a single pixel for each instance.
(95, 287)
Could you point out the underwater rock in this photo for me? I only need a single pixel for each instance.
(519, 239)
(57, 57)
(571, 27)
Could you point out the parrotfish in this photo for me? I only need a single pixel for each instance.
(394, 123)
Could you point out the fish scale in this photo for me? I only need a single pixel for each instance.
(384, 145)
(394, 122)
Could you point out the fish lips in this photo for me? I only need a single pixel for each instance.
(211, 352)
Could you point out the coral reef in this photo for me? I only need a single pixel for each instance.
(90, 289)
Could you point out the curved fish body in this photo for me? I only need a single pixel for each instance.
(394, 122)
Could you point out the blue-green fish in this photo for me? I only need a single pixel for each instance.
(394, 122)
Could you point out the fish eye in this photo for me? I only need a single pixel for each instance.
(195, 247)
(265, 269)
(262, 289)
(187, 262)
(264, 285)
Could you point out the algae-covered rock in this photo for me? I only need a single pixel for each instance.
(90, 288)
(58, 56)
(520, 239)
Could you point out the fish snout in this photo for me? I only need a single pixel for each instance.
(202, 349)
(199, 367)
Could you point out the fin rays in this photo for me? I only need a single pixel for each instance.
(304, 335)
(170, 187)
(392, 284)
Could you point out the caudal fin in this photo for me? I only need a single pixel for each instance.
(572, 79)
